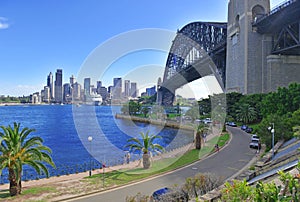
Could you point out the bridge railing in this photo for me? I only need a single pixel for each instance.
(276, 9)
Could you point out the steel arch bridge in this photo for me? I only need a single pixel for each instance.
(198, 50)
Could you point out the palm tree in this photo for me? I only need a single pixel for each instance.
(246, 113)
(17, 149)
(145, 145)
(201, 131)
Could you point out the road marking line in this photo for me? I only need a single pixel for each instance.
(231, 168)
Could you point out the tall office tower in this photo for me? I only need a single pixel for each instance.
(127, 88)
(67, 93)
(46, 96)
(50, 85)
(76, 92)
(87, 87)
(99, 85)
(133, 90)
(72, 80)
(58, 86)
(117, 88)
(103, 92)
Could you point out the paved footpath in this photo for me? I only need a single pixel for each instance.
(79, 176)
(227, 163)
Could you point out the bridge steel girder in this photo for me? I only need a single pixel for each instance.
(205, 42)
(285, 31)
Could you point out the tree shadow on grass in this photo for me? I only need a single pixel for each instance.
(4, 194)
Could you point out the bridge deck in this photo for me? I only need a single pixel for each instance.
(274, 21)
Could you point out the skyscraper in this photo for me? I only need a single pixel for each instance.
(76, 91)
(67, 93)
(72, 80)
(87, 87)
(46, 96)
(133, 90)
(117, 92)
(99, 85)
(127, 88)
(50, 85)
(58, 86)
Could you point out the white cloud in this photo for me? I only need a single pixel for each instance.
(3, 23)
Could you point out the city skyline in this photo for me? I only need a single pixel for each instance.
(39, 37)
(75, 92)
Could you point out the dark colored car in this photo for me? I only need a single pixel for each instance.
(158, 193)
(249, 130)
(244, 127)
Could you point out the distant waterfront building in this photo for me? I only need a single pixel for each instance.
(151, 91)
(58, 86)
(127, 88)
(87, 86)
(103, 92)
(117, 92)
(133, 90)
(47, 95)
(67, 97)
(50, 84)
(99, 85)
(76, 92)
(72, 80)
(110, 90)
(36, 98)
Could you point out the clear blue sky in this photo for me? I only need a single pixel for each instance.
(37, 37)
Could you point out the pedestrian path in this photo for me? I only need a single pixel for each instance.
(126, 166)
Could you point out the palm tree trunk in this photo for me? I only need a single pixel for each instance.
(146, 161)
(198, 140)
(13, 183)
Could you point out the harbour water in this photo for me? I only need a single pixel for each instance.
(66, 128)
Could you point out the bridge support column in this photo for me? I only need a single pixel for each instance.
(165, 96)
(281, 71)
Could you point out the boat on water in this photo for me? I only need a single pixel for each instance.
(94, 99)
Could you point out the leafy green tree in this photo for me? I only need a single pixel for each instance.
(145, 111)
(285, 100)
(204, 106)
(246, 114)
(145, 145)
(241, 191)
(193, 112)
(283, 129)
(18, 149)
(231, 101)
(131, 108)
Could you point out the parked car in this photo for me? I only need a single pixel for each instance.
(254, 137)
(158, 193)
(244, 127)
(232, 124)
(207, 121)
(249, 130)
(255, 144)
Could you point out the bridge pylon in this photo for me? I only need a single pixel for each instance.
(246, 49)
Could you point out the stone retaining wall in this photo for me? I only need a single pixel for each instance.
(166, 123)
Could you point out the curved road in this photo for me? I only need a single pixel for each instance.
(226, 163)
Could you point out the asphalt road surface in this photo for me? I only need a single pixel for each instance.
(226, 163)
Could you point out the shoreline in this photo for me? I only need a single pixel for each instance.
(167, 123)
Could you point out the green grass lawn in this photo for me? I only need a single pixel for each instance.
(158, 167)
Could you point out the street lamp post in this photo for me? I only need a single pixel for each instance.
(90, 138)
(272, 131)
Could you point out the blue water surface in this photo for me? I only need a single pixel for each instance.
(65, 129)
